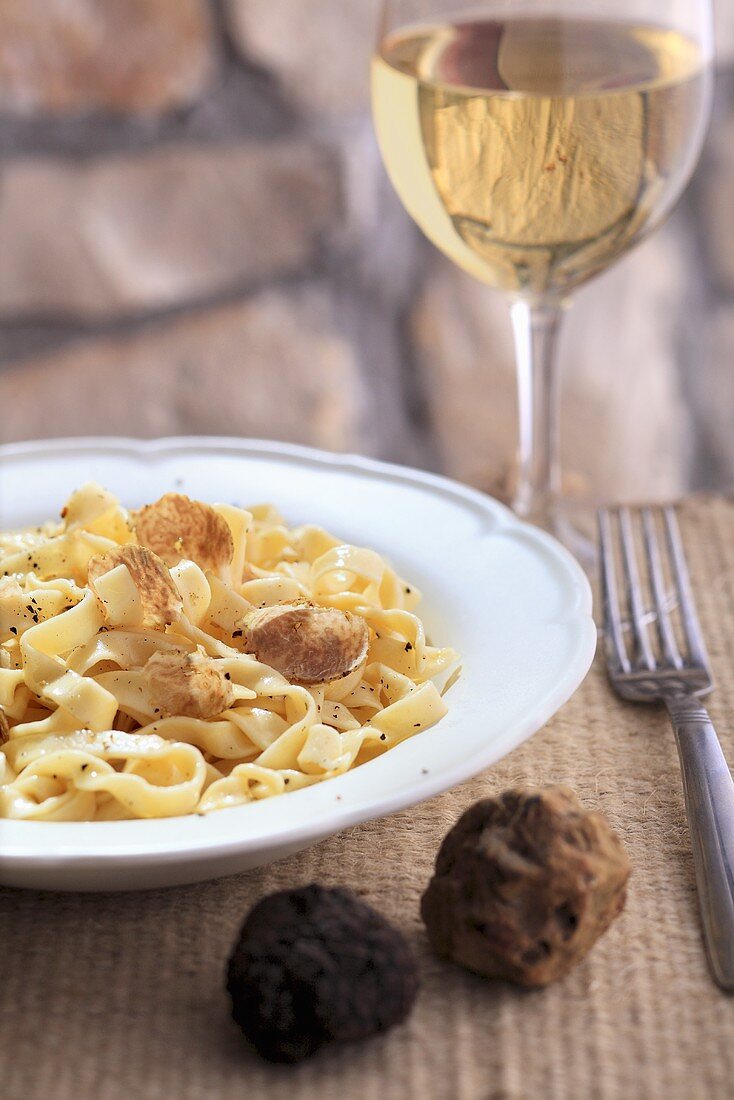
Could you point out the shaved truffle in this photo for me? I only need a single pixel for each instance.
(160, 599)
(525, 884)
(176, 527)
(4, 727)
(187, 685)
(309, 645)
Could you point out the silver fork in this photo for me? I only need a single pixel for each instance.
(676, 679)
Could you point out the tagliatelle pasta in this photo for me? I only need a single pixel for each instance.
(189, 657)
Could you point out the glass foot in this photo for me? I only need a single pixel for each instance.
(578, 535)
(571, 522)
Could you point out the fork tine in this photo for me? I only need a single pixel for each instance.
(616, 649)
(665, 629)
(692, 628)
(640, 635)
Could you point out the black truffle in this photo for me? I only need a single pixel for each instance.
(314, 966)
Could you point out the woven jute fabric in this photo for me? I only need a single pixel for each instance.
(121, 997)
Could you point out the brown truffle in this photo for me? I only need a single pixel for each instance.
(525, 884)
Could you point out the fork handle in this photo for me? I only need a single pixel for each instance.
(709, 796)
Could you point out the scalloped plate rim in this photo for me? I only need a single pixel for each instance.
(22, 858)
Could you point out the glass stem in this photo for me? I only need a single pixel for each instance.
(536, 342)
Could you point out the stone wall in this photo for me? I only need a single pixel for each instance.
(196, 235)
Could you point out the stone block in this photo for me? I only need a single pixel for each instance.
(627, 432)
(140, 232)
(139, 56)
(724, 31)
(712, 193)
(319, 52)
(272, 366)
(714, 396)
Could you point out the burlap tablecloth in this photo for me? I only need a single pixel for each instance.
(121, 997)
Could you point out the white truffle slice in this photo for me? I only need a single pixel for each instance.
(159, 598)
(176, 527)
(308, 645)
(187, 685)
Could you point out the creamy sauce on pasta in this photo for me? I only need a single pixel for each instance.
(89, 733)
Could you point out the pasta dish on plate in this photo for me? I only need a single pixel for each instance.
(188, 657)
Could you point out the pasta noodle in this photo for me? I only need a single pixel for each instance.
(189, 657)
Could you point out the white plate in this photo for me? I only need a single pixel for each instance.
(507, 596)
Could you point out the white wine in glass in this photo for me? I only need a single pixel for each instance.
(534, 149)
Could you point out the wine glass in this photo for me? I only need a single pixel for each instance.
(534, 142)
